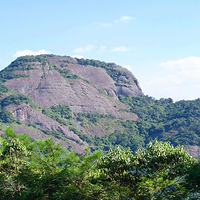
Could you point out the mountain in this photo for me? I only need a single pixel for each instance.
(58, 96)
(84, 102)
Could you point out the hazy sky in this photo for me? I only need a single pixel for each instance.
(158, 40)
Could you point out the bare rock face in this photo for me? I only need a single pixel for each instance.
(88, 93)
(37, 134)
(194, 150)
(97, 74)
(86, 86)
(27, 115)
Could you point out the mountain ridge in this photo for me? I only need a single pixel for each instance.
(84, 102)
(83, 85)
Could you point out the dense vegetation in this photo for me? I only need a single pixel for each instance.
(20, 63)
(117, 131)
(3, 89)
(16, 99)
(42, 170)
(176, 122)
(162, 119)
(23, 63)
(60, 113)
(66, 73)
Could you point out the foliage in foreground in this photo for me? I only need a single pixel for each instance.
(43, 170)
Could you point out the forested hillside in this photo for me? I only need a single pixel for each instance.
(175, 122)
(42, 170)
(80, 102)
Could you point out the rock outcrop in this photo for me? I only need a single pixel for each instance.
(86, 86)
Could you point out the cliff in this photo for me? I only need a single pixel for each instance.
(82, 86)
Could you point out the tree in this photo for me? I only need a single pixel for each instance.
(43, 170)
(157, 172)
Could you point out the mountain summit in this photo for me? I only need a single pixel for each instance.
(69, 99)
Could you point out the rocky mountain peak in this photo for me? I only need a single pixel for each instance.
(84, 85)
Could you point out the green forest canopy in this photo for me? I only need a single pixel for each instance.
(43, 170)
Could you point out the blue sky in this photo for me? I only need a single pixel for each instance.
(159, 41)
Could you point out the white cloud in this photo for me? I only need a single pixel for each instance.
(105, 24)
(166, 80)
(127, 67)
(181, 79)
(183, 63)
(123, 19)
(30, 52)
(84, 49)
(77, 56)
(119, 49)
(89, 48)
(185, 68)
(102, 47)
